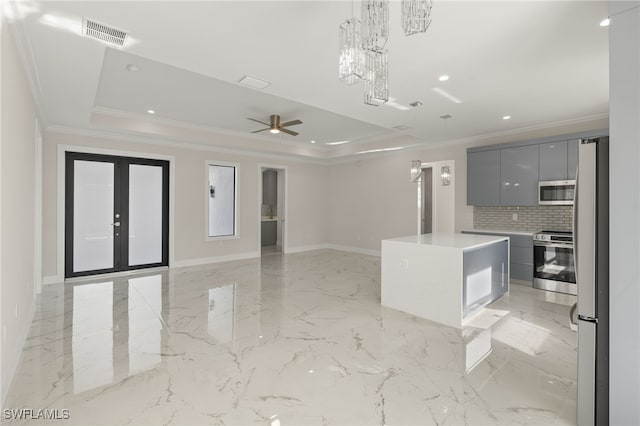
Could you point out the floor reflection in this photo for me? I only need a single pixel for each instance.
(221, 316)
(301, 339)
(92, 344)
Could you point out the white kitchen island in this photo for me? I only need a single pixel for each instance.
(444, 277)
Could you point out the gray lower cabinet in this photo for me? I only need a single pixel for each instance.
(519, 176)
(553, 161)
(269, 229)
(520, 254)
(483, 178)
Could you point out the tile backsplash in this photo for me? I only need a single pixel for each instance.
(535, 218)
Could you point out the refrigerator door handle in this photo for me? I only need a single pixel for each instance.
(588, 319)
(573, 317)
(574, 221)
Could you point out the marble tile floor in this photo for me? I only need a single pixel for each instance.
(298, 339)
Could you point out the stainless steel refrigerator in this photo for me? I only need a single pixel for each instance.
(591, 251)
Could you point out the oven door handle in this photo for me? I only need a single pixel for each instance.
(568, 245)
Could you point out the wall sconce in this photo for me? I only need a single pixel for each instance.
(416, 170)
(445, 175)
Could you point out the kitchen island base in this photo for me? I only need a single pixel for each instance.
(444, 277)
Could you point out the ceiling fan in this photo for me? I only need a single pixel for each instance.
(276, 127)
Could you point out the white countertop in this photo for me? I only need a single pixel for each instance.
(447, 239)
(501, 231)
(269, 218)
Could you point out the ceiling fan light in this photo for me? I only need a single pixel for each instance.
(274, 131)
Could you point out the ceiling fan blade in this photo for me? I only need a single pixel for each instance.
(258, 121)
(261, 130)
(289, 132)
(291, 123)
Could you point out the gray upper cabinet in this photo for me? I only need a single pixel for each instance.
(572, 158)
(483, 178)
(507, 174)
(519, 176)
(553, 161)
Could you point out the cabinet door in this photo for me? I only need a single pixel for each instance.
(483, 178)
(553, 161)
(572, 158)
(519, 176)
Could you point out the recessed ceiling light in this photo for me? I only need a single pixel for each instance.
(150, 111)
(274, 131)
(605, 22)
(253, 82)
(337, 143)
(133, 68)
(313, 141)
(416, 104)
(506, 117)
(443, 78)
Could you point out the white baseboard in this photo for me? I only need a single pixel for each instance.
(52, 279)
(359, 250)
(300, 249)
(15, 352)
(215, 259)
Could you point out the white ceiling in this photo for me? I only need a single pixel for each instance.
(537, 61)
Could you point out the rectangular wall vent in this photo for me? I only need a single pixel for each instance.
(102, 32)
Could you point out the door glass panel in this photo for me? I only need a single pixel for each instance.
(92, 215)
(222, 200)
(145, 214)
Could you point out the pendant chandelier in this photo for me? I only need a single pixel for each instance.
(375, 24)
(351, 56)
(376, 83)
(362, 55)
(416, 16)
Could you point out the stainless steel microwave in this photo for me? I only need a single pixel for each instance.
(556, 192)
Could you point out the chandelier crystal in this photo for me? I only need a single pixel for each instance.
(416, 16)
(375, 24)
(376, 83)
(351, 56)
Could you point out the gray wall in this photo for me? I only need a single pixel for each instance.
(624, 68)
(538, 218)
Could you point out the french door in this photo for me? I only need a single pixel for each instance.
(117, 214)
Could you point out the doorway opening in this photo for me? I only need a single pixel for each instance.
(117, 214)
(272, 210)
(426, 201)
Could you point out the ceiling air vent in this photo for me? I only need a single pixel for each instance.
(102, 32)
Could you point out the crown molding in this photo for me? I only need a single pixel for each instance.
(173, 143)
(154, 119)
(483, 139)
(23, 44)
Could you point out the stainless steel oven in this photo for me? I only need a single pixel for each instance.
(556, 192)
(553, 264)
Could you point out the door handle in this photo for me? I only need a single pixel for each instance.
(115, 224)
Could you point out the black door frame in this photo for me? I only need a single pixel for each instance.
(120, 205)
